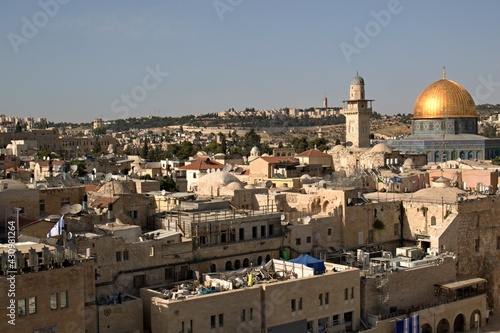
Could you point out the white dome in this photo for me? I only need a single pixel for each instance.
(381, 148)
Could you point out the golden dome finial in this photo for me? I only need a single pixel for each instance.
(444, 72)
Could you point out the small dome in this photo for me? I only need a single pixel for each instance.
(381, 148)
(255, 150)
(408, 163)
(338, 148)
(234, 186)
(249, 187)
(217, 178)
(358, 80)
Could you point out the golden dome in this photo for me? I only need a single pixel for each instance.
(444, 99)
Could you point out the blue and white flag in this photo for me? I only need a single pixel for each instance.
(57, 228)
(398, 180)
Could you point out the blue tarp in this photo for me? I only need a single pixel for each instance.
(316, 264)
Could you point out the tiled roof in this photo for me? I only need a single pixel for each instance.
(203, 163)
(312, 153)
(280, 160)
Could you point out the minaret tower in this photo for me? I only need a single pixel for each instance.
(357, 111)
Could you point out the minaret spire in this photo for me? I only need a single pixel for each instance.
(444, 72)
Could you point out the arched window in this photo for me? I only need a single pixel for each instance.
(229, 266)
(213, 268)
(237, 264)
(268, 258)
(246, 262)
(259, 260)
(433, 220)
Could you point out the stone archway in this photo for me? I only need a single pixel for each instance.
(459, 323)
(326, 207)
(426, 328)
(475, 319)
(443, 326)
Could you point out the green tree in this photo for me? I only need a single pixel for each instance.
(168, 184)
(489, 131)
(80, 167)
(145, 149)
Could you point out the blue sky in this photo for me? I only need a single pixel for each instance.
(85, 57)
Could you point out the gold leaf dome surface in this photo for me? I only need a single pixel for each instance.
(444, 99)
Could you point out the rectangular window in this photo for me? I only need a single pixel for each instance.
(139, 281)
(498, 242)
(300, 304)
(327, 298)
(64, 201)
(125, 255)
(293, 306)
(181, 327)
(254, 232)
(41, 205)
(329, 231)
(53, 301)
(396, 229)
(63, 299)
(477, 245)
(308, 239)
(352, 292)
(335, 320)
(320, 297)
(250, 314)
(32, 305)
(346, 294)
(221, 320)
(223, 237)
(133, 214)
(242, 317)
(262, 231)
(271, 230)
(152, 251)
(21, 307)
(190, 327)
(212, 321)
(242, 234)
(169, 273)
(118, 256)
(297, 241)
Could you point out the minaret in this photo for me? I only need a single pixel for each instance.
(325, 102)
(357, 111)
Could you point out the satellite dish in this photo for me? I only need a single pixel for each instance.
(44, 158)
(227, 168)
(327, 178)
(70, 235)
(108, 177)
(75, 209)
(269, 184)
(348, 144)
(213, 170)
(65, 209)
(73, 168)
(283, 217)
(163, 192)
(307, 219)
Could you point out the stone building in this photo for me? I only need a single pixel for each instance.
(307, 303)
